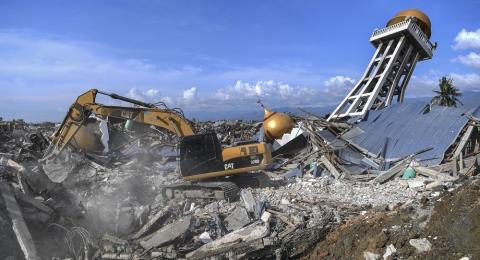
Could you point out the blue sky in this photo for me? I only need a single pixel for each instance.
(213, 55)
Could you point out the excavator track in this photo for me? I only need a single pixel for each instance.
(217, 190)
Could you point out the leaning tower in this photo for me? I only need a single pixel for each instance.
(400, 45)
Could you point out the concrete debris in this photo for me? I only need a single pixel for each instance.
(167, 233)
(422, 244)
(161, 215)
(266, 216)
(248, 200)
(241, 241)
(317, 181)
(370, 256)
(389, 251)
(237, 219)
(415, 183)
(19, 225)
(205, 237)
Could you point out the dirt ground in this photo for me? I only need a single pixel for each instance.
(450, 222)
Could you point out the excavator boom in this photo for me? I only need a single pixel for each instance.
(145, 113)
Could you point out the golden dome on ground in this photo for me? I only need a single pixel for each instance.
(422, 20)
(276, 124)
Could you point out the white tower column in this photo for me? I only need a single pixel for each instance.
(399, 47)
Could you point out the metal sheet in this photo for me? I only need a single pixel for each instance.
(409, 129)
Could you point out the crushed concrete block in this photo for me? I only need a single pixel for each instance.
(248, 200)
(415, 183)
(205, 237)
(370, 256)
(436, 185)
(155, 220)
(212, 207)
(389, 251)
(237, 219)
(167, 233)
(247, 239)
(284, 201)
(422, 244)
(266, 216)
(114, 240)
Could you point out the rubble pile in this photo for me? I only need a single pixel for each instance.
(76, 205)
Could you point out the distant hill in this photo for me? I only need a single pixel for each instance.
(470, 99)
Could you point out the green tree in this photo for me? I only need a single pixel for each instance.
(448, 93)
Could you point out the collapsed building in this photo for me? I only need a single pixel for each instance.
(113, 199)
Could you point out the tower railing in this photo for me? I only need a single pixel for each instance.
(414, 30)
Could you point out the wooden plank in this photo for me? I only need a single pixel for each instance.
(330, 167)
(463, 141)
(426, 171)
(19, 226)
(454, 166)
(448, 166)
(460, 163)
(397, 168)
(432, 173)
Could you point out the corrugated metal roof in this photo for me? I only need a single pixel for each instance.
(407, 129)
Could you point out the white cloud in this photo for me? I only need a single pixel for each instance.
(279, 94)
(144, 95)
(468, 81)
(265, 90)
(190, 95)
(425, 84)
(151, 93)
(466, 39)
(472, 59)
(150, 96)
(339, 86)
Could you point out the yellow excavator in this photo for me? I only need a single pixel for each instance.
(201, 155)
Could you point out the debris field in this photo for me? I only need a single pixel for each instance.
(323, 196)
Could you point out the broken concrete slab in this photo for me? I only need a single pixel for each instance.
(435, 185)
(389, 251)
(330, 167)
(422, 244)
(158, 217)
(415, 183)
(370, 256)
(167, 233)
(248, 200)
(205, 237)
(385, 176)
(266, 216)
(247, 239)
(237, 219)
(19, 226)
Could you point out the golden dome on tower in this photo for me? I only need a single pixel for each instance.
(422, 20)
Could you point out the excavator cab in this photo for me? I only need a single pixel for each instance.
(200, 154)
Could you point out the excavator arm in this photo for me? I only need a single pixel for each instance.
(145, 113)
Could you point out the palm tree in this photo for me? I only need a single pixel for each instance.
(448, 94)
